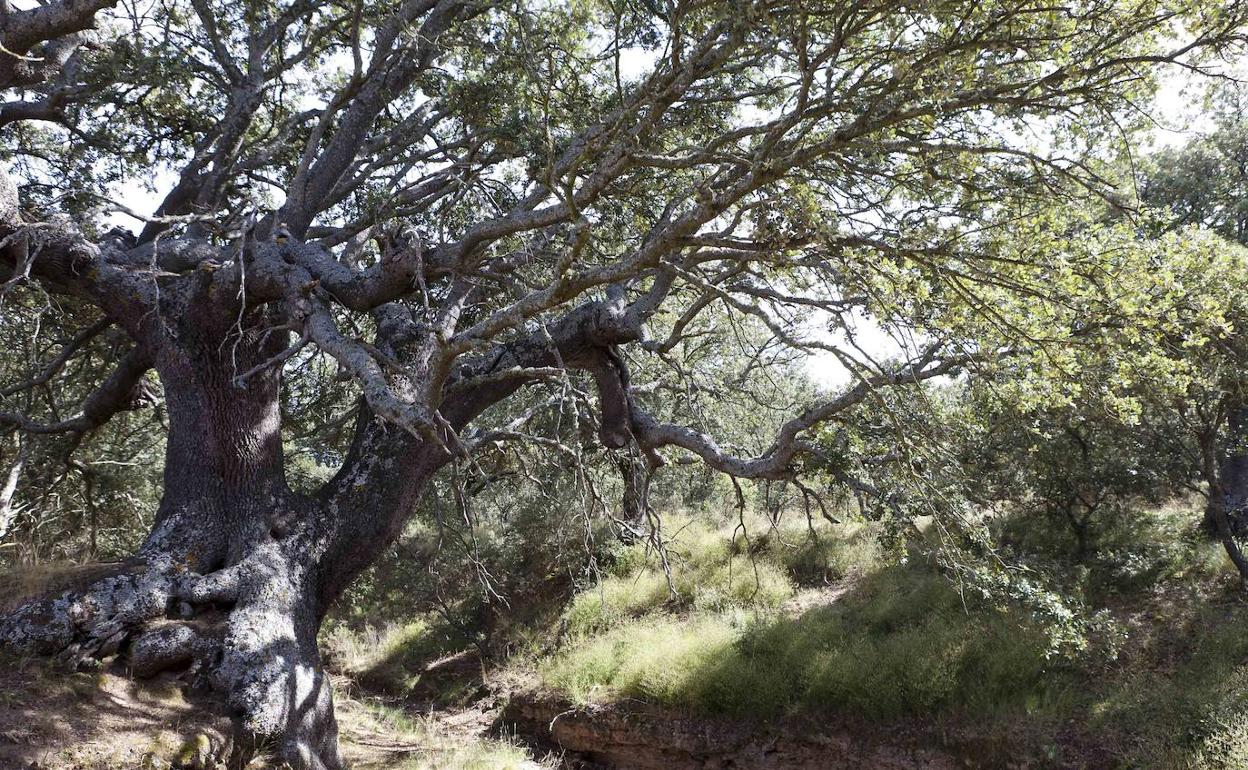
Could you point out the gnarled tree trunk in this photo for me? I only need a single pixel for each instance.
(1225, 468)
(238, 571)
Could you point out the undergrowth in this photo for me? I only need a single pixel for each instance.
(900, 643)
(387, 658)
(794, 620)
(420, 742)
(893, 639)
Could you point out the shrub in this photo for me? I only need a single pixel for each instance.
(1136, 549)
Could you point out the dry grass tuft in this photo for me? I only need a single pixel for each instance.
(39, 581)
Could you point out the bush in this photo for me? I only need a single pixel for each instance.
(1153, 545)
(1134, 550)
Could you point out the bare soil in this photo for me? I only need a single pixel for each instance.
(97, 721)
(54, 720)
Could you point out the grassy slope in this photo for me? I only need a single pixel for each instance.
(801, 628)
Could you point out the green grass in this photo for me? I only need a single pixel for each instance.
(705, 575)
(653, 658)
(388, 658)
(830, 554)
(1158, 545)
(714, 568)
(899, 644)
(1185, 702)
(786, 623)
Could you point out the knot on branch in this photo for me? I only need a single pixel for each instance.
(402, 247)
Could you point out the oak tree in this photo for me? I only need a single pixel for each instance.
(456, 202)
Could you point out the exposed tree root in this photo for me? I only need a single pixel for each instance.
(245, 632)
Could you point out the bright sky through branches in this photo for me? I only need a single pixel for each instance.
(1177, 115)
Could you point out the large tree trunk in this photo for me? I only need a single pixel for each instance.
(234, 579)
(246, 629)
(238, 571)
(1233, 473)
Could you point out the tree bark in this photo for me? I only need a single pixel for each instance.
(238, 571)
(1233, 473)
(1226, 471)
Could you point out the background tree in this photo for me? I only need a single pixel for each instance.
(1203, 183)
(1143, 391)
(446, 202)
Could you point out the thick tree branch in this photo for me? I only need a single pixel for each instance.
(36, 43)
(121, 391)
(775, 463)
